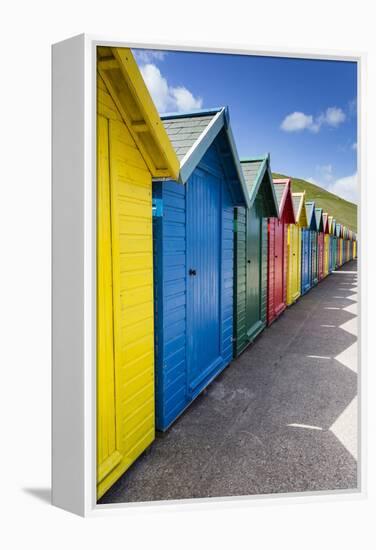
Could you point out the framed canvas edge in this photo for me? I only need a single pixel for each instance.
(85, 177)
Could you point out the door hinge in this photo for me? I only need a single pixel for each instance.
(157, 208)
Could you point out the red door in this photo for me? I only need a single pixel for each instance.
(278, 267)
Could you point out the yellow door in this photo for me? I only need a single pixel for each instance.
(297, 262)
(125, 379)
(293, 290)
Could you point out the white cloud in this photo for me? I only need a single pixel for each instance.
(298, 121)
(168, 98)
(157, 86)
(325, 171)
(346, 187)
(334, 116)
(185, 99)
(147, 56)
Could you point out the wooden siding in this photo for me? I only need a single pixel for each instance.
(169, 234)
(240, 329)
(173, 393)
(264, 270)
(126, 350)
(271, 270)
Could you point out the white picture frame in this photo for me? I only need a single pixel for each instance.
(74, 271)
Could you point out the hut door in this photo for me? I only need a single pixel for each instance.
(320, 253)
(295, 260)
(253, 268)
(204, 276)
(314, 255)
(305, 258)
(278, 266)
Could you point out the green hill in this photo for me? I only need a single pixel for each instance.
(345, 212)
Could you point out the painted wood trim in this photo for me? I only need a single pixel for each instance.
(132, 74)
(193, 157)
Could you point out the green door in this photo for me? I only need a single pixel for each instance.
(253, 266)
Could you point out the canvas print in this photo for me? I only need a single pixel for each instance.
(226, 275)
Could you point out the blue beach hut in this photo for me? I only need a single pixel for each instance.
(309, 244)
(193, 237)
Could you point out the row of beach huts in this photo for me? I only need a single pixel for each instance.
(197, 252)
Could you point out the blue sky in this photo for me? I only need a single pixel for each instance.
(303, 112)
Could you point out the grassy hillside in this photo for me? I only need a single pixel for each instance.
(345, 212)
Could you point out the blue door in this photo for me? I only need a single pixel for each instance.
(314, 266)
(203, 278)
(305, 260)
(330, 254)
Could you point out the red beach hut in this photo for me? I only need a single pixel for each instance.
(277, 249)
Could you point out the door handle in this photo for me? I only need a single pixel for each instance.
(192, 272)
(249, 261)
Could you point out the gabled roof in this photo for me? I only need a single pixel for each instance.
(330, 225)
(319, 221)
(282, 188)
(338, 230)
(311, 217)
(298, 200)
(125, 84)
(334, 225)
(258, 175)
(192, 134)
(325, 222)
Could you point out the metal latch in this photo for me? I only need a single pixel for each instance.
(157, 208)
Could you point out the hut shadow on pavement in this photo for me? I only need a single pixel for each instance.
(281, 418)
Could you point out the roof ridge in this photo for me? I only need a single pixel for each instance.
(192, 113)
(266, 156)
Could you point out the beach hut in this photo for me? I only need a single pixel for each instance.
(355, 246)
(294, 248)
(277, 249)
(251, 252)
(343, 232)
(334, 245)
(193, 228)
(339, 244)
(311, 212)
(348, 257)
(308, 236)
(132, 147)
(331, 248)
(320, 243)
(325, 219)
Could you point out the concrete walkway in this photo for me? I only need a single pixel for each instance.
(281, 418)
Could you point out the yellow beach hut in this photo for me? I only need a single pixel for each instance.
(326, 223)
(132, 148)
(294, 248)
